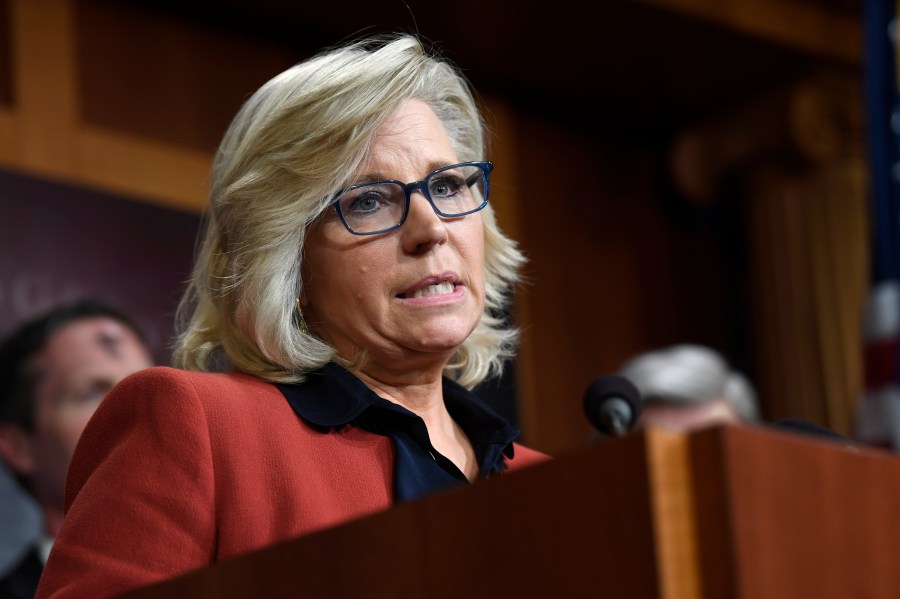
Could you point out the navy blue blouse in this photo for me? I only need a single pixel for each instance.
(332, 397)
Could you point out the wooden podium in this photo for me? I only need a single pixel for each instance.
(744, 512)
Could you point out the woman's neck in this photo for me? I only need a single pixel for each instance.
(424, 397)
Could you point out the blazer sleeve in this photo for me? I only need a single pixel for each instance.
(140, 494)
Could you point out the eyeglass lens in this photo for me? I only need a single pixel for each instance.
(453, 191)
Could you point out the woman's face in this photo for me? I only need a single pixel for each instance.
(360, 292)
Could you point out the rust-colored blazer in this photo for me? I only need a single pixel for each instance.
(214, 465)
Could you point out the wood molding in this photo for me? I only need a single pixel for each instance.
(150, 170)
(674, 513)
(7, 136)
(817, 120)
(45, 84)
(43, 134)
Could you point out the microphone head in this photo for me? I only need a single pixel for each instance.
(612, 404)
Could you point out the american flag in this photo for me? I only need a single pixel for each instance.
(878, 415)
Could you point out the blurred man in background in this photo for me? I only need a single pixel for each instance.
(54, 371)
(688, 387)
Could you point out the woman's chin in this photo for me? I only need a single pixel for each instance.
(443, 342)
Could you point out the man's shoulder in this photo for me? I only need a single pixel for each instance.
(22, 580)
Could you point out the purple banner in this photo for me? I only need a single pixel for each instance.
(61, 242)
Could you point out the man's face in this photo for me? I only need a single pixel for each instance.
(81, 362)
(688, 417)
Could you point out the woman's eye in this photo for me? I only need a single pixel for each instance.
(445, 186)
(364, 203)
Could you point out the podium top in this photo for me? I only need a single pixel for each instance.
(725, 512)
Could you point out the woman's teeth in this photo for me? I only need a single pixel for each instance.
(439, 289)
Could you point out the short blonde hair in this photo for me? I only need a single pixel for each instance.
(289, 149)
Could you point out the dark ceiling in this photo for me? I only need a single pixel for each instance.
(619, 67)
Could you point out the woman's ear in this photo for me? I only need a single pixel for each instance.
(16, 448)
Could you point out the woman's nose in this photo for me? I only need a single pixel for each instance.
(423, 228)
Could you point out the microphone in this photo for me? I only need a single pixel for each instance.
(612, 404)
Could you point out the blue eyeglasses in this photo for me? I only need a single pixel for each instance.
(382, 206)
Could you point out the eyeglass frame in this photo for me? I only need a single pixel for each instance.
(408, 189)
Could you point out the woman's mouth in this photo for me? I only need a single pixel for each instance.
(436, 286)
(443, 288)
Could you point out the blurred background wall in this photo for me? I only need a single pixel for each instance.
(676, 170)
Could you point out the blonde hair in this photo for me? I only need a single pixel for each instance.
(289, 149)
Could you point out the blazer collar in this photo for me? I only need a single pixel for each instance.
(332, 397)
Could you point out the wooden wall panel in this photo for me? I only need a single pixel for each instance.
(6, 74)
(611, 273)
(132, 100)
(153, 76)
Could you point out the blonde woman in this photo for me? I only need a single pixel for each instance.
(337, 319)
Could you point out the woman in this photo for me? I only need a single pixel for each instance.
(337, 318)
